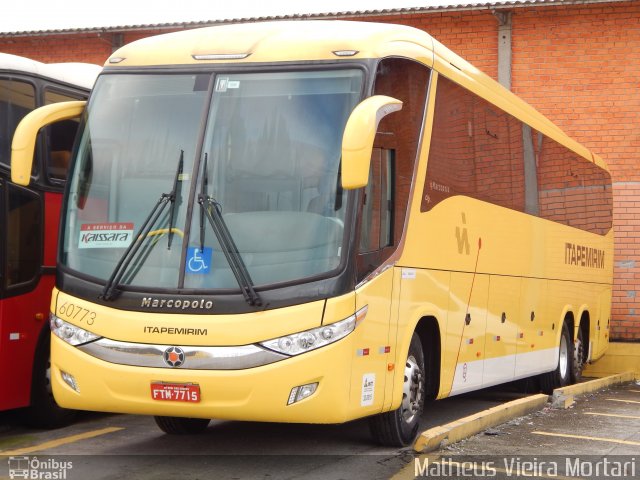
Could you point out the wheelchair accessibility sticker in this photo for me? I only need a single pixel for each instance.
(199, 262)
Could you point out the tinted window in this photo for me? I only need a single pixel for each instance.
(60, 138)
(477, 150)
(572, 190)
(386, 196)
(376, 211)
(16, 100)
(23, 236)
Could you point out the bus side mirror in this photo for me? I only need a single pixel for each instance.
(359, 133)
(24, 138)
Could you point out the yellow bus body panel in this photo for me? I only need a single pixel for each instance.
(258, 394)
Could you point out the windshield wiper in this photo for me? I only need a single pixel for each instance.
(173, 197)
(211, 209)
(133, 248)
(203, 193)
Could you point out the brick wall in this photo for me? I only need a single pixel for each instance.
(579, 65)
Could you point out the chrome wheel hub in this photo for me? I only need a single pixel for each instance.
(564, 357)
(412, 390)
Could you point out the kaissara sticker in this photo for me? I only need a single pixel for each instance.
(368, 387)
(105, 235)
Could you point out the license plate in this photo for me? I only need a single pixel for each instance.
(175, 392)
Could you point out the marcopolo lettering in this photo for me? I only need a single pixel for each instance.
(583, 256)
(179, 304)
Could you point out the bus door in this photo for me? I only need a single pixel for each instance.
(373, 351)
(24, 306)
(384, 203)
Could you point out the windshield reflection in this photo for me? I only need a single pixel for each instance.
(272, 143)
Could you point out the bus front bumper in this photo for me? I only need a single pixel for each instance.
(254, 394)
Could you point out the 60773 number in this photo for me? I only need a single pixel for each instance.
(76, 312)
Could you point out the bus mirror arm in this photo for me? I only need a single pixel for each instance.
(24, 138)
(358, 137)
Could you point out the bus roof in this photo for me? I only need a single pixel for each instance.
(314, 40)
(78, 74)
(269, 42)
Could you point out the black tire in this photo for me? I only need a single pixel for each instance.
(561, 376)
(578, 358)
(399, 427)
(44, 412)
(181, 425)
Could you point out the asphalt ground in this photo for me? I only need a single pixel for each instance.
(597, 437)
(600, 427)
(100, 446)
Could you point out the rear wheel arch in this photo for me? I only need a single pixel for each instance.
(569, 319)
(585, 328)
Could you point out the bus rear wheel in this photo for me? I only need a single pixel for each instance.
(181, 425)
(561, 376)
(578, 357)
(399, 427)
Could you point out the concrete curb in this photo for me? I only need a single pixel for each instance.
(564, 397)
(431, 439)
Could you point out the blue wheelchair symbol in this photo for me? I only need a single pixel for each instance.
(199, 262)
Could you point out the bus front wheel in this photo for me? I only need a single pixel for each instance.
(182, 426)
(44, 412)
(399, 427)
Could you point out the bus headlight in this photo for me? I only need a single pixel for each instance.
(303, 342)
(70, 333)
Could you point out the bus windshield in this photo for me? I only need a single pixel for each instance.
(259, 151)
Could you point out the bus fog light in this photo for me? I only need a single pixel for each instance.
(70, 380)
(301, 392)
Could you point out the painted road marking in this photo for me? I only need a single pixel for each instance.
(584, 437)
(611, 415)
(623, 401)
(61, 441)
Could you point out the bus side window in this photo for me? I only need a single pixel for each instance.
(393, 161)
(60, 137)
(377, 202)
(22, 238)
(17, 98)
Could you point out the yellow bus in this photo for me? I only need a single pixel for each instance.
(317, 222)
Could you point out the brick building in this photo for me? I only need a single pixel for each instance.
(576, 61)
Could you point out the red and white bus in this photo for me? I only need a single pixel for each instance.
(29, 230)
